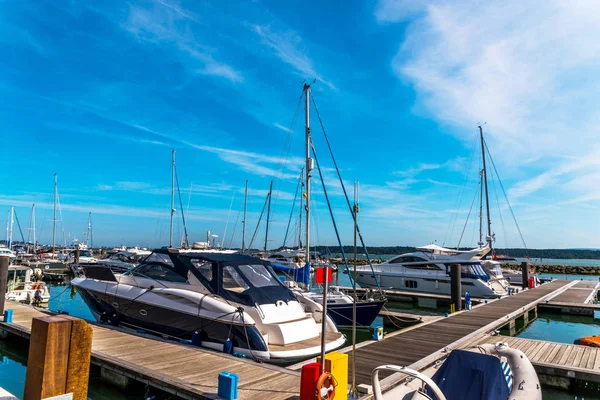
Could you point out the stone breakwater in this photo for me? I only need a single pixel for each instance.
(558, 269)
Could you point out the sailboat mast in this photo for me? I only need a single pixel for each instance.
(89, 231)
(301, 210)
(33, 224)
(268, 215)
(355, 210)
(481, 242)
(244, 220)
(12, 221)
(487, 198)
(309, 167)
(172, 197)
(54, 217)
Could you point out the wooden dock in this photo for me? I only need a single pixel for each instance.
(185, 371)
(424, 344)
(579, 299)
(556, 359)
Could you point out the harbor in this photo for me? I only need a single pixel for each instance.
(255, 200)
(122, 360)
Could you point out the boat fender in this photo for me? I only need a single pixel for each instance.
(196, 339)
(228, 346)
(326, 386)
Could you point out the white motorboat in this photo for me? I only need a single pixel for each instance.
(85, 257)
(22, 289)
(429, 272)
(228, 302)
(122, 261)
(6, 252)
(485, 372)
(287, 258)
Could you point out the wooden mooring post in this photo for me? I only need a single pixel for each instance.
(4, 261)
(60, 349)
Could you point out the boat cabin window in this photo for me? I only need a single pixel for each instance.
(258, 275)
(406, 259)
(232, 281)
(159, 258)
(159, 273)
(204, 267)
(431, 267)
(410, 284)
(85, 253)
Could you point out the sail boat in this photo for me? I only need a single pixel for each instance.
(343, 309)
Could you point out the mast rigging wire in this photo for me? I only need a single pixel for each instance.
(346, 194)
(506, 197)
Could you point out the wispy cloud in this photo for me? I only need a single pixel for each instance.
(413, 171)
(283, 128)
(287, 47)
(162, 23)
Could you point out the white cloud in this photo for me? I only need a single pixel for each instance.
(283, 128)
(530, 72)
(166, 23)
(287, 47)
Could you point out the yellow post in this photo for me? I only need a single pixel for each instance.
(337, 365)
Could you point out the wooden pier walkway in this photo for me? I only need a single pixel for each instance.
(580, 299)
(422, 345)
(556, 359)
(185, 371)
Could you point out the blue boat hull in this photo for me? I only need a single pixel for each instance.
(366, 312)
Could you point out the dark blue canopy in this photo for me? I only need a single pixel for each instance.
(467, 375)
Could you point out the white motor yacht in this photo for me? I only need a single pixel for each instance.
(428, 271)
(227, 302)
(22, 289)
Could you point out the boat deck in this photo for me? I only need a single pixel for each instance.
(183, 370)
(314, 342)
(420, 346)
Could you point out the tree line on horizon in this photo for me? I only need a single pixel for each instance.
(589, 254)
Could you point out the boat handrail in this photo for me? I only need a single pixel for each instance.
(404, 370)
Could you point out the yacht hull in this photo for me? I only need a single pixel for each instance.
(420, 284)
(213, 333)
(366, 312)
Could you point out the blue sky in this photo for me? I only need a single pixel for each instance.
(100, 92)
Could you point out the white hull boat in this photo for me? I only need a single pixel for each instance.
(227, 302)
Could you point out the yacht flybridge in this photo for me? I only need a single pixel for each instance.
(230, 302)
(428, 270)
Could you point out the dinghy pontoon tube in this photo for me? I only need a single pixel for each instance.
(486, 372)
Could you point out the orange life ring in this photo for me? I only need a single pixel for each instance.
(328, 382)
(35, 286)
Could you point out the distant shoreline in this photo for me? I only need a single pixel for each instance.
(537, 254)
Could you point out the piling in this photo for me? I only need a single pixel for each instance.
(77, 253)
(525, 274)
(4, 261)
(59, 358)
(455, 286)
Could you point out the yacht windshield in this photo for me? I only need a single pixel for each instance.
(258, 275)
(472, 271)
(85, 253)
(251, 284)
